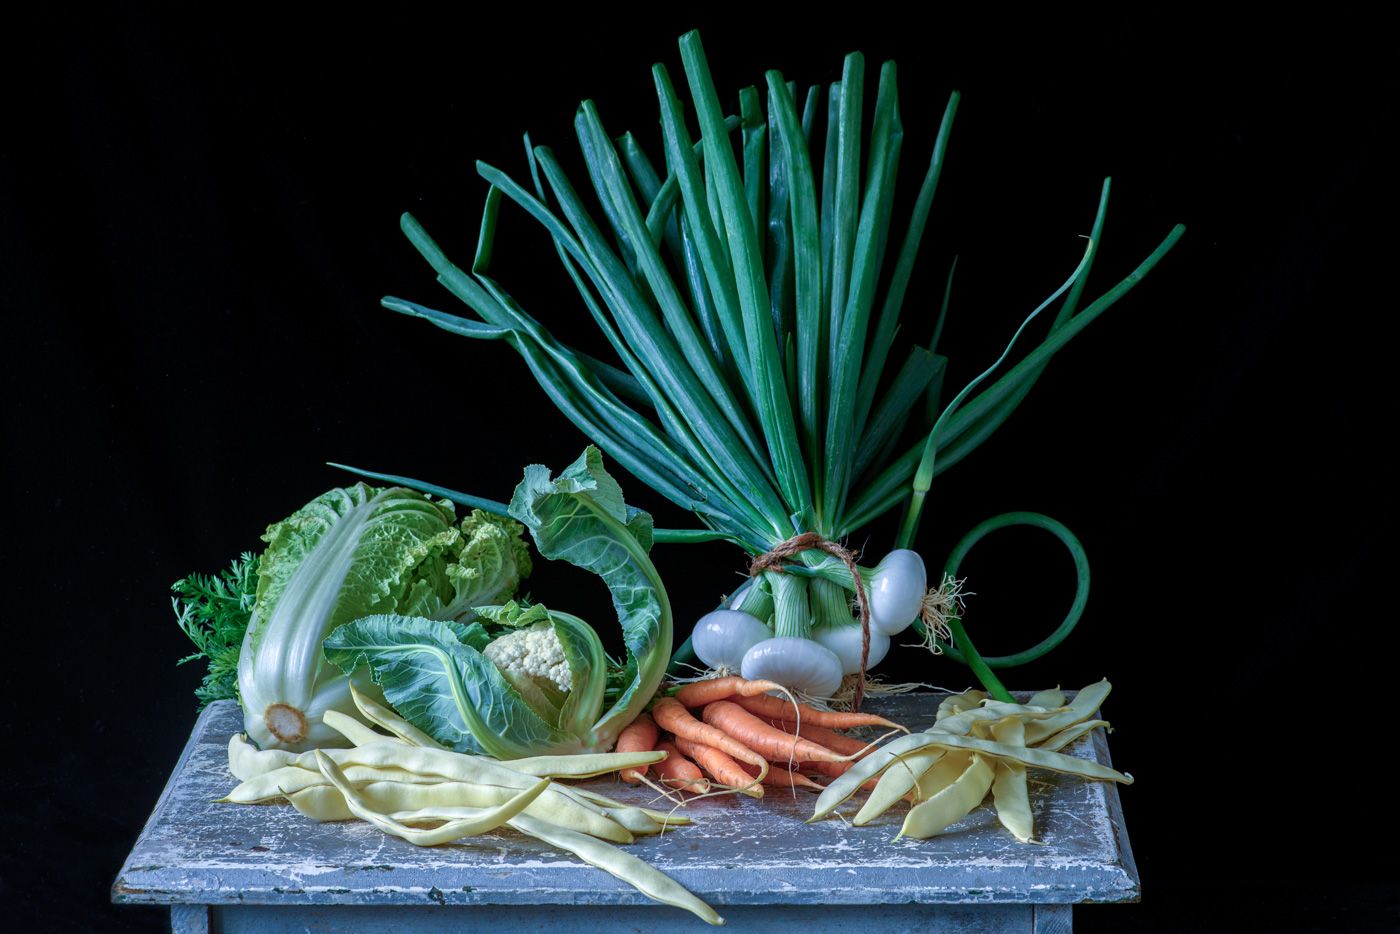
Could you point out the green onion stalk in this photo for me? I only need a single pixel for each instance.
(750, 283)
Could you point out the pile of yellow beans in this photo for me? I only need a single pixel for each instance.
(976, 745)
(407, 785)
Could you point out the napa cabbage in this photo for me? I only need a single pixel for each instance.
(347, 554)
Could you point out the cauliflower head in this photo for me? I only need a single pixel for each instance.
(535, 653)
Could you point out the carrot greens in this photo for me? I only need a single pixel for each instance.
(214, 610)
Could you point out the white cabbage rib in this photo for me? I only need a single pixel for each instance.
(285, 684)
(281, 663)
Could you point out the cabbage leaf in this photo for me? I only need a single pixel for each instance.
(440, 680)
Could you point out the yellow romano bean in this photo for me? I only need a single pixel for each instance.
(963, 723)
(281, 782)
(904, 773)
(950, 805)
(450, 766)
(382, 716)
(354, 730)
(583, 765)
(479, 821)
(843, 787)
(324, 802)
(564, 809)
(957, 703)
(395, 761)
(245, 760)
(1013, 801)
(668, 818)
(581, 803)
(1047, 699)
(1063, 738)
(631, 818)
(1037, 758)
(1009, 792)
(1085, 704)
(634, 819)
(943, 774)
(432, 815)
(647, 879)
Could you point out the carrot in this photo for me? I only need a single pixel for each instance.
(700, 693)
(780, 709)
(638, 736)
(678, 771)
(722, 768)
(670, 715)
(846, 745)
(772, 743)
(781, 778)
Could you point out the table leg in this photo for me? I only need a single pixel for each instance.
(189, 919)
(1052, 919)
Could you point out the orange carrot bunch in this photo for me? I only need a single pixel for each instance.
(745, 739)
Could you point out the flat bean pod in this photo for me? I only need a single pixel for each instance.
(322, 803)
(278, 783)
(478, 821)
(584, 765)
(1038, 758)
(600, 810)
(957, 703)
(903, 774)
(245, 760)
(964, 722)
(943, 774)
(325, 803)
(1051, 698)
(354, 730)
(950, 805)
(649, 880)
(452, 766)
(1068, 735)
(635, 820)
(848, 782)
(1010, 793)
(668, 818)
(1011, 796)
(1085, 704)
(382, 716)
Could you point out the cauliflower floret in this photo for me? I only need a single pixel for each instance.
(534, 652)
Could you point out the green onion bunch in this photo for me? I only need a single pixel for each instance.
(750, 284)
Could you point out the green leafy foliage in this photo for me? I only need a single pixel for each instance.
(581, 518)
(213, 610)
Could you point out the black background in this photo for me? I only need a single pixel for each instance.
(197, 219)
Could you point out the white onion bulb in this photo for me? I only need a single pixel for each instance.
(896, 591)
(721, 638)
(845, 641)
(799, 664)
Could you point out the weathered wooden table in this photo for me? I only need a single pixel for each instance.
(235, 868)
